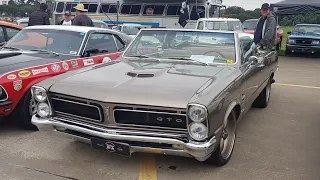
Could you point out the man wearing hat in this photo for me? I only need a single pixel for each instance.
(67, 19)
(81, 18)
(265, 33)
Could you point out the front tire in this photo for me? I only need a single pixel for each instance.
(263, 99)
(24, 111)
(223, 152)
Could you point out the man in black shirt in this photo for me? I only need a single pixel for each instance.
(40, 17)
(81, 18)
(265, 33)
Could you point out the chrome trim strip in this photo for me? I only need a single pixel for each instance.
(155, 112)
(99, 110)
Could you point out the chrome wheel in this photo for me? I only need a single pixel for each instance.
(228, 138)
(32, 107)
(268, 91)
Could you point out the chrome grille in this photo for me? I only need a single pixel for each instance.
(150, 117)
(303, 41)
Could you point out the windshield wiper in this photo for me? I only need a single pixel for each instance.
(188, 59)
(45, 51)
(13, 48)
(143, 56)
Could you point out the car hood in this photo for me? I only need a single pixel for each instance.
(304, 36)
(154, 84)
(13, 60)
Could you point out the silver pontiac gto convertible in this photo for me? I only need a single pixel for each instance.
(173, 91)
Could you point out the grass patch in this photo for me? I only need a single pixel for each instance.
(286, 29)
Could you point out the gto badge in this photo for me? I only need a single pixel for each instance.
(17, 85)
(169, 119)
(110, 146)
(11, 76)
(24, 73)
(55, 68)
(65, 66)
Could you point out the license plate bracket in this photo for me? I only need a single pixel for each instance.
(118, 148)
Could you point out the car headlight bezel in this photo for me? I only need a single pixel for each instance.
(39, 93)
(291, 41)
(192, 113)
(315, 42)
(196, 125)
(45, 105)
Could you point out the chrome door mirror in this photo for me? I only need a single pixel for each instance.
(253, 60)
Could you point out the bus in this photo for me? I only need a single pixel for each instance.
(149, 13)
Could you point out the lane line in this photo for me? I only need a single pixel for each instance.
(296, 85)
(148, 170)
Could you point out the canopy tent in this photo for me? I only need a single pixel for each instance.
(292, 7)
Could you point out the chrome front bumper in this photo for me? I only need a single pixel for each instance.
(198, 150)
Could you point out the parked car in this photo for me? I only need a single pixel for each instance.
(7, 31)
(304, 38)
(39, 52)
(224, 24)
(22, 22)
(183, 99)
(100, 24)
(249, 26)
(129, 29)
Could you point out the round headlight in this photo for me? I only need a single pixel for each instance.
(198, 131)
(197, 113)
(43, 109)
(40, 94)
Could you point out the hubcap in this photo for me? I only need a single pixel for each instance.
(227, 139)
(32, 107)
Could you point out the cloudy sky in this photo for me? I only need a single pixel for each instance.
(247, 4)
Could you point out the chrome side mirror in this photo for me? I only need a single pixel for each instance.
(253, 60)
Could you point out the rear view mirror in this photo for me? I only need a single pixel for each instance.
(253, 60)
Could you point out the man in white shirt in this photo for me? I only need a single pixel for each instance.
(67, 19)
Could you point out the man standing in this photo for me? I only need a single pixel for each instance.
(81, 18)
(265, 34)
(39, 17)
(67, 19)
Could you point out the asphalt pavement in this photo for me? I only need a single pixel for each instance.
(279, 142)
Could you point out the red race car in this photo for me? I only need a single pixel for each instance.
(39, 52)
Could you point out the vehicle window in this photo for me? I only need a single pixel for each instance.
(119, 42)
(197, 12)
(64, 42)
(60, 7)
(209, 47)
(69, 7)
(130, 9)
(92, 8)
(2, 39)
(153, 10)
(100, 25)
(101, 43)
(223, 25)
(131, 30)
(108, 8)
(200, 25)
(249, 25)
(173, 10)
(11, 32)
(306, 29)
(246, 45)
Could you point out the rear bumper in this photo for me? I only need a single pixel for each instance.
(303, 49)
(198, 150)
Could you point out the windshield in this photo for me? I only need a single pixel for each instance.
(205, 47)
(100, 25)
(250, 25)
(224, 25)
(306, 29)
(59, 41)
(131, 30)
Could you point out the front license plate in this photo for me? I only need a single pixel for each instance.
(111, 146)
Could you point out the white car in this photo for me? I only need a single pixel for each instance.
(21, 22)
(223, 24)
(129, 29)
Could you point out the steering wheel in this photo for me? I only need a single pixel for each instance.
(219, 54)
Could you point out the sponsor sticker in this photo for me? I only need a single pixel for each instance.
(55, 67)
(74, 64)
(230, 61)
(24, 73)
(106, 59)
(11, 76)
(39, 71)
(88, 62)
(65, 66)
(17, 85)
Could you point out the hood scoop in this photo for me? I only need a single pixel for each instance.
(145, 73)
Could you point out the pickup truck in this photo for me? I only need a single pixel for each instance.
(249, 26)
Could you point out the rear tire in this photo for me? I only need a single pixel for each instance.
(262, 100)
(223, 152)
(23, 112)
